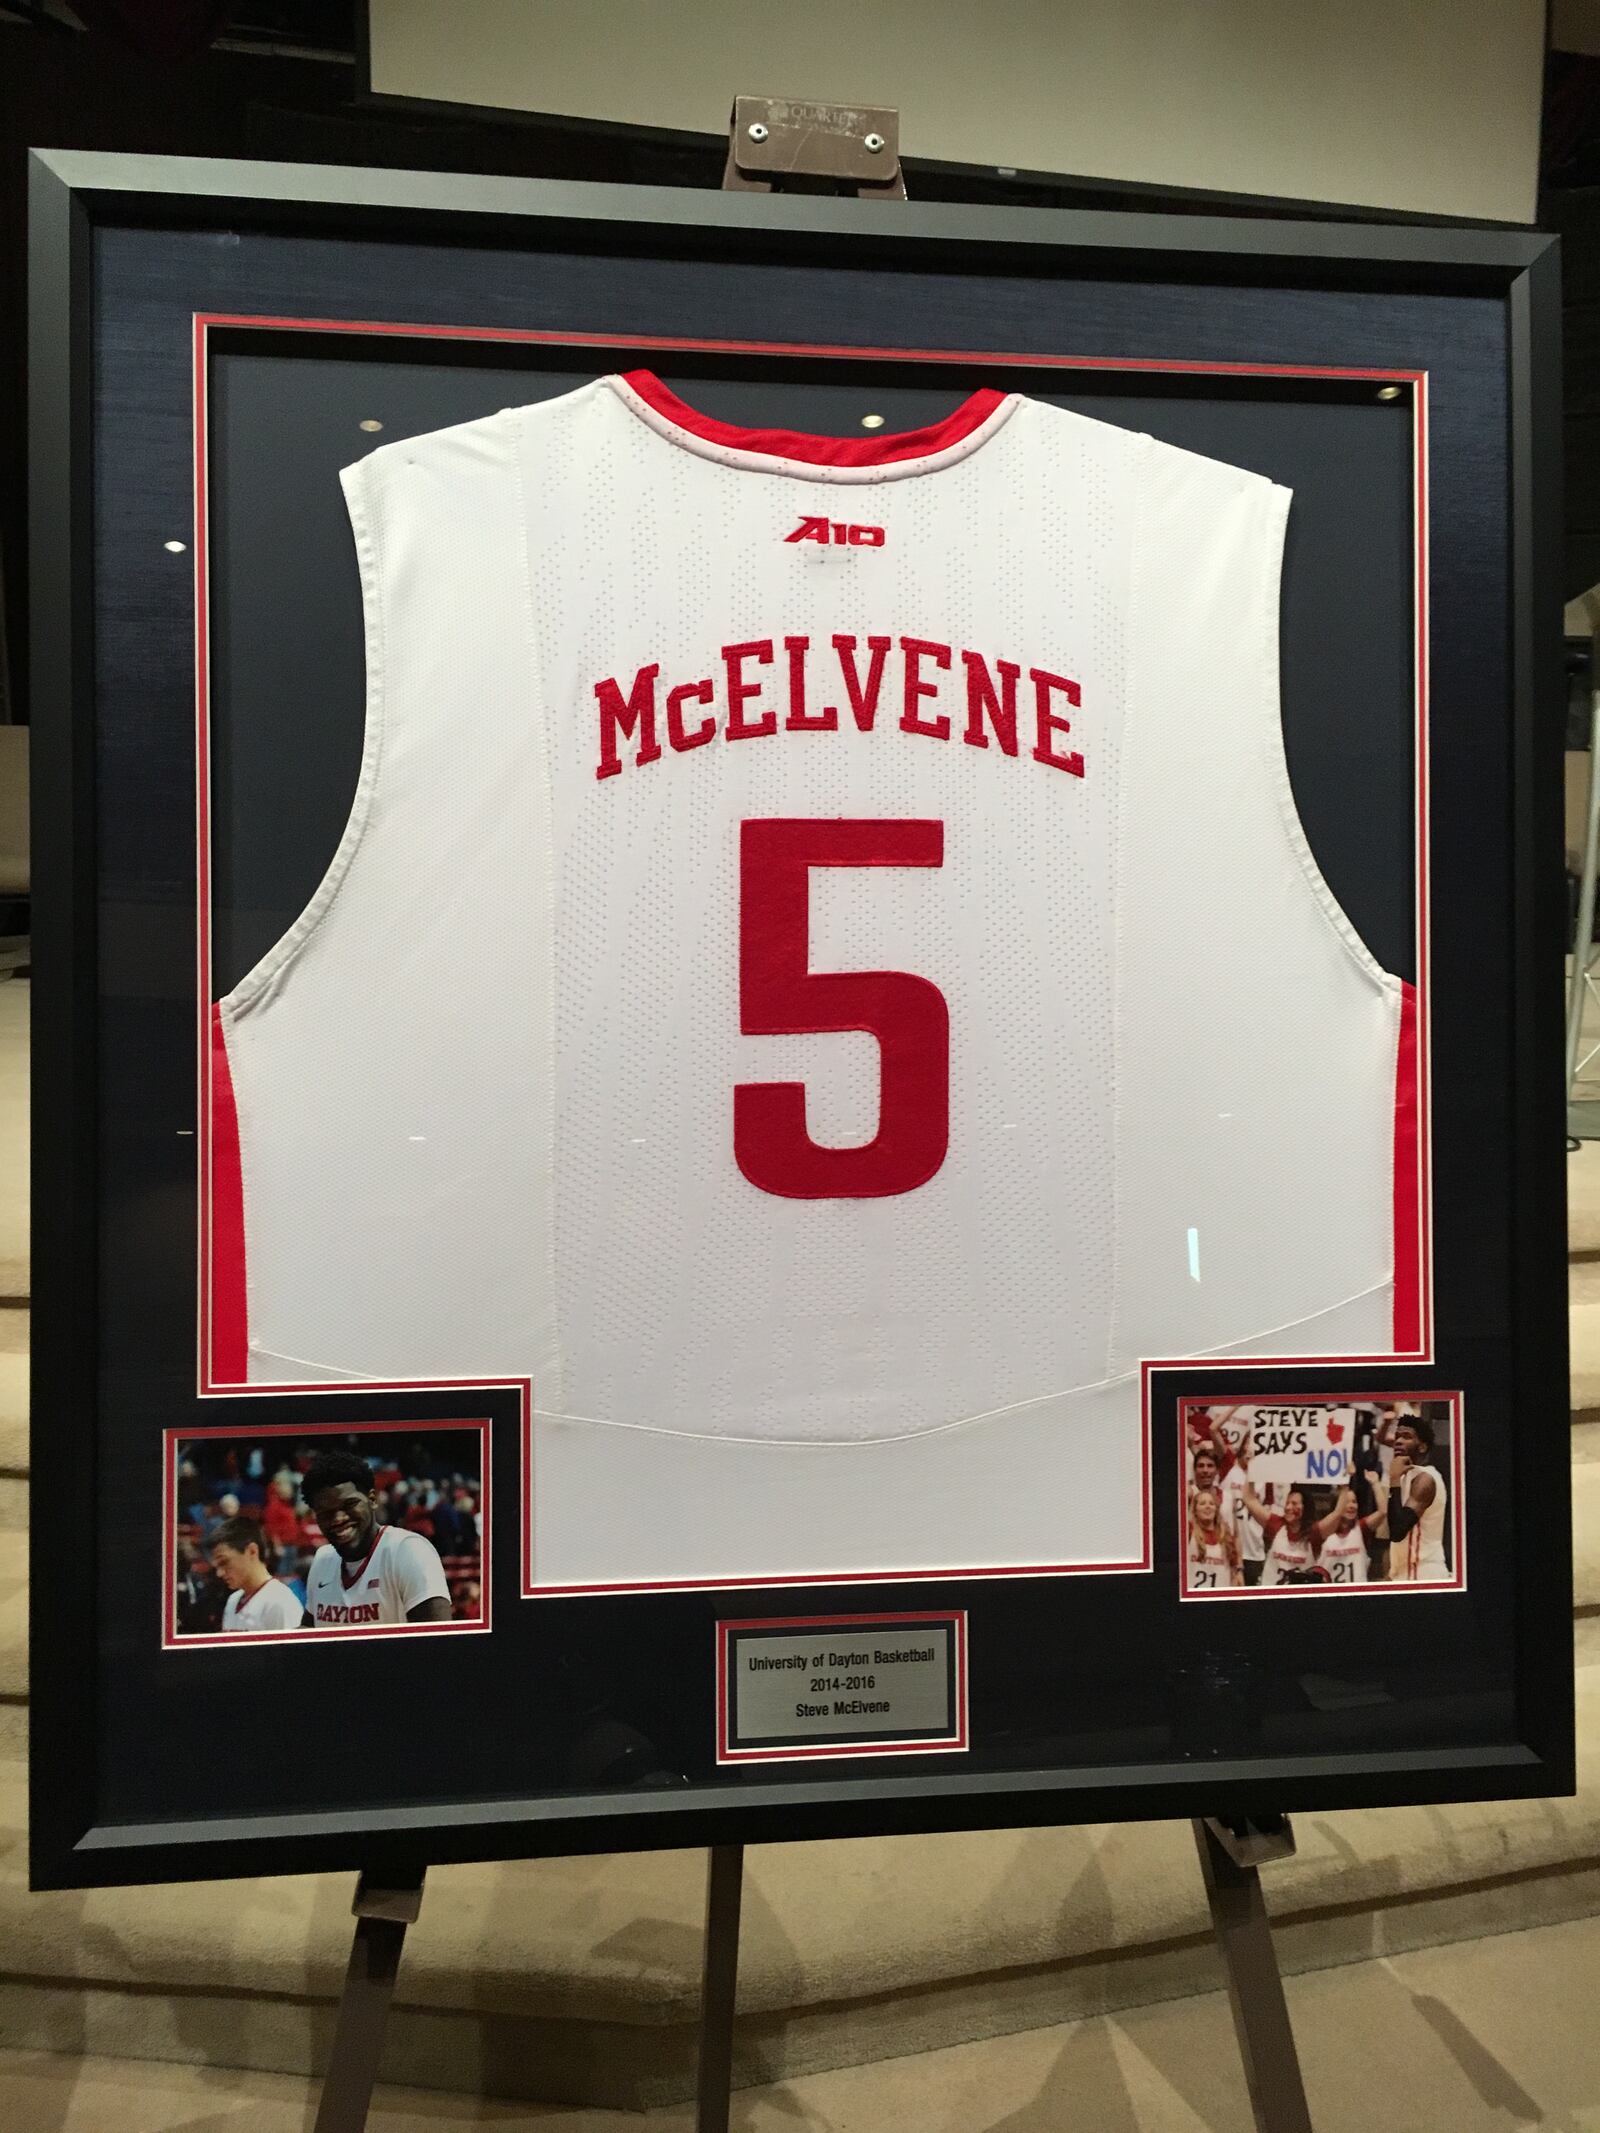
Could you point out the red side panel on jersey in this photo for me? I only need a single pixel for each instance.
(230, 1349)
(1407, 1185)
(820, 451)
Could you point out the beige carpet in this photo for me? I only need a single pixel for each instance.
(1476, 2038)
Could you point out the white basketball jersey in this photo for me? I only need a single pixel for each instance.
(272, 1606)
(402, 1570)
(1418, 1556)
(1344, 1557)
(823, 950)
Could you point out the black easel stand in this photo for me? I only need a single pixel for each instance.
(1231, 1851)
(382, 1915)
(720, 1987)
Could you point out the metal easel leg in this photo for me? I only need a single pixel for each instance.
(1230, 1854)
(382, 1915)
(720, 1988)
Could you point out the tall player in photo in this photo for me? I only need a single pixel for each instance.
(365, 1573)
(257, 1602)
(1414, 1507)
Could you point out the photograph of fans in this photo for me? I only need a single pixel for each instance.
(1331, 1495)
(310, 1532)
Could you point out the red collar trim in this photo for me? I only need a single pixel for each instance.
(347, 1576)
(883, 450)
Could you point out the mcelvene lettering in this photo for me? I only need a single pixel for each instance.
(981, 698)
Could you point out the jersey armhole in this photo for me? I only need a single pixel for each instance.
(356, 484)
(1276, 502)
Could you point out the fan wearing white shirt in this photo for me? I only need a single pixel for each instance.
(257, 1601)
(1233, 1488)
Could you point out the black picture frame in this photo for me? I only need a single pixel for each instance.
(76, 194)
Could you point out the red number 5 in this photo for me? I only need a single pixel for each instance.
(780, 995)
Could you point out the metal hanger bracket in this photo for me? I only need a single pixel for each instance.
(784, 144)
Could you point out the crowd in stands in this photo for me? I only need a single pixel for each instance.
(1367, 1504)
(417, 1485)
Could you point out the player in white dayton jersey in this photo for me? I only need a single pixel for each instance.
(366, 1573)
(781, 875)
(257, 1601)
(1213, 1553)
(1414, 1507)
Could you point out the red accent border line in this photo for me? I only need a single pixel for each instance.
(838, 351)
(172, 1640)
(1414, 1396)
(1417, 380)
(957, 1741)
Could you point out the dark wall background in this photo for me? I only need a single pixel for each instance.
(1575, 213)
(281, 80)
(286, 90)
(1569, 204)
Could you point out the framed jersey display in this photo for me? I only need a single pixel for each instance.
(803, 957)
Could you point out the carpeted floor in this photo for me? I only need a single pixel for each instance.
(1481, 2037)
